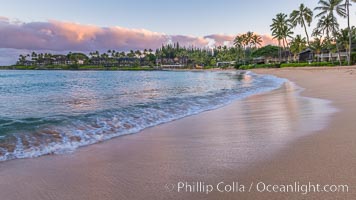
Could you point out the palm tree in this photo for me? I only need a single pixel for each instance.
(287, 33)
(248, 38)
(279, 28)
(138, 53)
(238, 42)
(327, 25)
(245, 41)
(328, 10)
(113, 53)
(302, 17)
(347, 6)
(34, 56)
(256, 40)
(317, 45)
(343, 38)
(329, 7)
(22, 59)
(131, 54)
(298, 44)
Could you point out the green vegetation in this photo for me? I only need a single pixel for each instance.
(297, 45)
(245, 44)
(266, 51)
(135, 68)
(328, 43)
(256, 66)
(303, 17)
(76, 67)
(353, 57)
(328, 39)
(314, 64)
(167, 55)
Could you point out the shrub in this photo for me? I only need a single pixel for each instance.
(22, 67)
(256, 66)
(315, 64)
(353, 58)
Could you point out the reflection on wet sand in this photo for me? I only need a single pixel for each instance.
(202, 147)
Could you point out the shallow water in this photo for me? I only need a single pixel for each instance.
(214, 146)
(44, 112)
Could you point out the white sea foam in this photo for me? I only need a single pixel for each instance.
(104, 125)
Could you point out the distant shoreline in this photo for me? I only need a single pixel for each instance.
(79, 68)
(101, 68)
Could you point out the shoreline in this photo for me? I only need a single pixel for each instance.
(73, 145)
(123, 69)
(325, 156)
(103, 171)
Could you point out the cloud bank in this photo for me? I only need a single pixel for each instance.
(56, 35)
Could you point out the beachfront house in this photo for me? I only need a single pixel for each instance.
(306, 56)
(173, 63)
(225, 64)
(331, 56)
(61, 60)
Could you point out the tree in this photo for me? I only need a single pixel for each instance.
(347, 6)
(34, 56)
(343, 38)
(280, 28)
(287, 33)
(248, 38)
(256, 40)
(266, 51)
(330, 7)
(246, 42)
(327, 25)
(131, 54)
(328, 10)
(22, 59)
(302, 17)
(317, 45)
(138, 53)
(297, 45)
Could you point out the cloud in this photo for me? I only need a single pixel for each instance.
(59, 36)
(4, 19)
(62, 36)
(222, 39)
(268, 40)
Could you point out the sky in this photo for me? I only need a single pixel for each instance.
(87, 25)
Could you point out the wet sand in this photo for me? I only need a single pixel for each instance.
(273, 137)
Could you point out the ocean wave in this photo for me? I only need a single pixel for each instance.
(63, 134)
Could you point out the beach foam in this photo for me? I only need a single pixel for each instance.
(33, 137)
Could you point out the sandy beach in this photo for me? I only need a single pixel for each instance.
(276, 141)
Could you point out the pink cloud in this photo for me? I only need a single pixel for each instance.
(268, 40)
(60, 36)
(4, 19)
(68, 36)
(222, 39)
